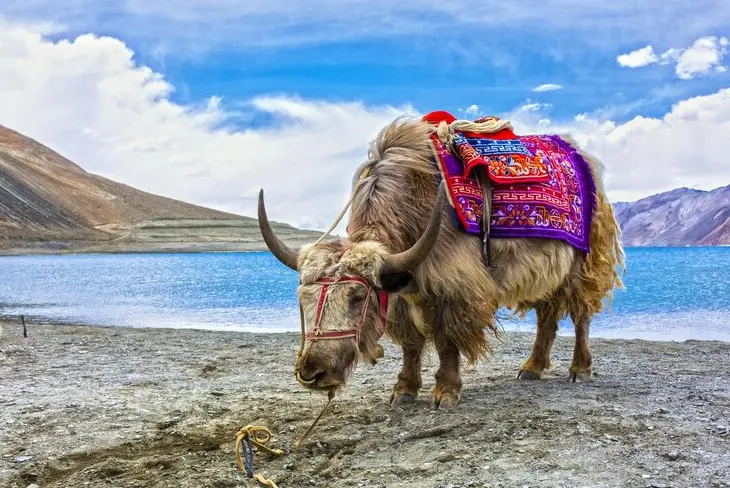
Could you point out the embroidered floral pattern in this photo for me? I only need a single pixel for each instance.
(559, 207)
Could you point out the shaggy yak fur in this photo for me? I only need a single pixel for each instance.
(450, 299)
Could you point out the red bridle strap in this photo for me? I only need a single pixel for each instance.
(317, 333)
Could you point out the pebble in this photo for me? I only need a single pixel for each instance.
(672, 456)
(445, 457)
(22, 459)
(32, 485)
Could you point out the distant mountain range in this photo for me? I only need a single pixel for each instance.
(681, 217)
(50, 204)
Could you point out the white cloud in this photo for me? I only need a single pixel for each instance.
(88, 100)
(636, 59)
(646, 155)
(547, 87)
(472, 110)
(704, 55)
(530, 106)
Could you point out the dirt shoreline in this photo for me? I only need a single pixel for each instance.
(98, 407)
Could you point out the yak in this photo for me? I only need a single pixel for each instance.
(405, 269)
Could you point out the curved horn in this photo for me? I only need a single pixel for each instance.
(410, 258)
(281, 251)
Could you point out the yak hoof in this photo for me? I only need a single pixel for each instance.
(402, 399)
(403, 394)
(444, 400)
(527, 375)
(580, 376)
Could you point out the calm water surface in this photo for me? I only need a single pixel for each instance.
(672, 293)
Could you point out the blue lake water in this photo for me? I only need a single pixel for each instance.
(672, 293)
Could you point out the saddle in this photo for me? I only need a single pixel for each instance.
(488, 158)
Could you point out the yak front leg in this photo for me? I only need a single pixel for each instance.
(409, 379)
(403, 329)
(447, 392)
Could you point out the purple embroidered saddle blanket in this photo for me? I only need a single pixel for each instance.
(558, 207)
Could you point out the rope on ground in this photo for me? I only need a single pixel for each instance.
(247, 438)
(330, 396)
(259, 436)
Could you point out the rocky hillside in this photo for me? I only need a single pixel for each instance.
(681, 217)
(50, 204)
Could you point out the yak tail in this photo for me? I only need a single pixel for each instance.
(605, 263)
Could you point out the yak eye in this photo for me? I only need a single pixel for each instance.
(356, 300)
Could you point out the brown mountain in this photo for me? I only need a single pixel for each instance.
(681, 217)
(50, 204)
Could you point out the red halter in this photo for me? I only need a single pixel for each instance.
(317, 333)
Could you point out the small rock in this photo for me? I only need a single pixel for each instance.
(663, 411)
(22, 459)
(659, 485)
(646, 476)
(672, 455)
(32, 485)
(445, 457)
(217, 393)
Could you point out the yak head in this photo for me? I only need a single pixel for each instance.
(343, 292)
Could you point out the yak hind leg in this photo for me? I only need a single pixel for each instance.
(539, 360)
(580, 369)
(403, 330)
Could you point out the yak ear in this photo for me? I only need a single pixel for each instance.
(394, 281)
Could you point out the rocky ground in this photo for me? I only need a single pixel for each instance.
(99, 407)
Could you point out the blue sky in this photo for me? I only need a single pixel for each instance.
(363, 58)
(420, 53)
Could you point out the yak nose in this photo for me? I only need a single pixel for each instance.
(309, 371)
